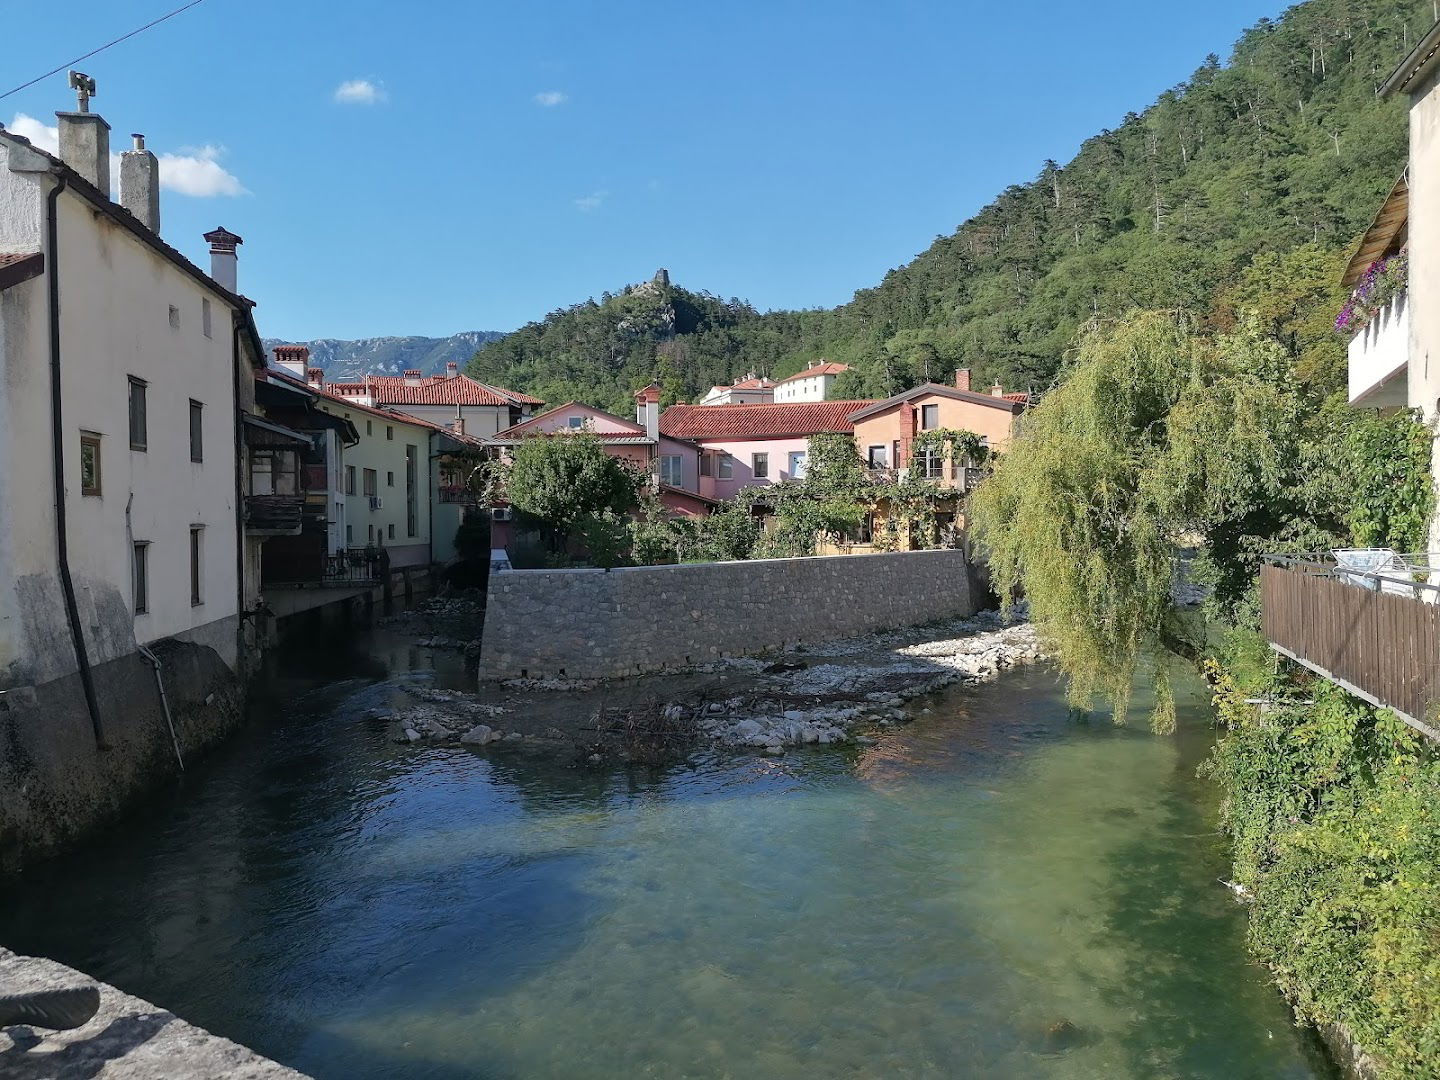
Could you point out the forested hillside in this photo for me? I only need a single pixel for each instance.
(1284, 145)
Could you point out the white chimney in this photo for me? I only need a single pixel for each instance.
(140, 184)
(412, 377)
(647, 410)
(222, 261)
(452, 369)
(293, 360)
(997, 390)
(85, 136)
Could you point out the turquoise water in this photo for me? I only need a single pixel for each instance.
(998, 890)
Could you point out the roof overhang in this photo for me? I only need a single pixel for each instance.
(272, 433)
(1384, 231)
(1416, 67)
(17, 268)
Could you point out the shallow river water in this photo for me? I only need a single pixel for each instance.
(1000, 889)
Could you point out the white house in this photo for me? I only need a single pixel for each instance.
(751, 390)
(451, 400)
(814, 383)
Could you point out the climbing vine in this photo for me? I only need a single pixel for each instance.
(1392, 493)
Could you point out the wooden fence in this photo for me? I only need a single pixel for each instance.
(1384, 645)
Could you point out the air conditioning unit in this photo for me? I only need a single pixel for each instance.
(377, 503)
(500, 513)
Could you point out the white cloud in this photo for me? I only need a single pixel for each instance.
(195, 171)
(550, 98)
(586, 203)
(360, 92)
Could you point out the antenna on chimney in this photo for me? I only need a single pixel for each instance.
(84, 87)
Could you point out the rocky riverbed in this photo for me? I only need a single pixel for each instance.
(815, 695)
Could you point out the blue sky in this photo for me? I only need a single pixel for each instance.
(436, 166)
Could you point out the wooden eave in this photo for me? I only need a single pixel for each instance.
(1387, 233)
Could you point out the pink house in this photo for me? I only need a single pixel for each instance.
(672, 464)
(754, 444)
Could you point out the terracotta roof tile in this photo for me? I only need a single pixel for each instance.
(435, 390)
(828, 367)
(759, 421)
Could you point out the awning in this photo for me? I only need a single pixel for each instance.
(268, 434)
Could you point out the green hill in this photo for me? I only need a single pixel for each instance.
(1286, 144)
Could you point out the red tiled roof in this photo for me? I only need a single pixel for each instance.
(391, 415)
(828, 367)
(1021, 397)
(760, 421)
(435, 390)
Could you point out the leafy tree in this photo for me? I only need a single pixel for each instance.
(558, 480)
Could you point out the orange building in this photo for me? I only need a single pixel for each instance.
(885, 432)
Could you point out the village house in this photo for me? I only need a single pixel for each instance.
(886, 431)
(125, 378)
(673, 465)
(754, 445)
(751, 390)
(450, 400)
(814, 383)
(1368, 620)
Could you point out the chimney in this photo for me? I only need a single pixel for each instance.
(962, 378)
(85, 136)
(452, 369)
(140, 184)
(459, 425)
(315, 377)
(292, 359)
(997, 390)
(412, 377)
(223, 243)
(647, 410)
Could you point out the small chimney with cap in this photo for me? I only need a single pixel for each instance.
(85, 136)
(647, 410)
(997, 390)
(293, 359)
(223, 243)
(452, 370)
(315, 377)
(412, 377)
(140, 184)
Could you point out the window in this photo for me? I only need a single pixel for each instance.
(389, 432)
(412, 518)
(706, 466)
(760, 465)
(368, 478)
(174, 317)
(349, 534)
(205, 327)
(575, 421)
(929, 417)
(142, 577)
(137, 413)
(89, 463)
(797, 464)
(274, 472)
(670, 470)
(877, 457)
(369, 427)
(197, 535)
(369, 534)
(727, 467)
(390, 478)
(390, 529)
(349, 479)
(197, 431)
(932, 464)
(895, 453)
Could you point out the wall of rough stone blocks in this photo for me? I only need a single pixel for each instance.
(596, 624)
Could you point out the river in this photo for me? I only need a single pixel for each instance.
(1000, 889)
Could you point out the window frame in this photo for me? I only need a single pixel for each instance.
(707, 464)
(197, 432)
(574, 423)
(349, 479)
(800, 457)
(760, 465)
(929, 417)
(140, 577)
(672, 469)
(90, 440)
(139, 417)
(197, 565)
(884, 456)
(369, 482)
(725, 467)
(206, 317)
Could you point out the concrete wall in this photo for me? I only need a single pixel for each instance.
(598, 624)
(1424, 272)
(804, 388)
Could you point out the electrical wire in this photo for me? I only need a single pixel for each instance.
(102, 48)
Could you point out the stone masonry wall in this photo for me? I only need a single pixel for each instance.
(595, 624)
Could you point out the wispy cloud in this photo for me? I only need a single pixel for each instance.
(550, 98)
(586, 203)
(195, 171)
(360, 92)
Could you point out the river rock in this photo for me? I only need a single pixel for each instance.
(479, 735)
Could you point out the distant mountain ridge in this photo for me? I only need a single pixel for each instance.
(346, 360)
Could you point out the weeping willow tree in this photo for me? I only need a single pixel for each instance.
(1157, 438)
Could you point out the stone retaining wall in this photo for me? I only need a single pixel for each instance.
(597, 624)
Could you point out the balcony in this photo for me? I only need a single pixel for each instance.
(1376, 633)
(274, 515)
(457, 494)
(1379, 357)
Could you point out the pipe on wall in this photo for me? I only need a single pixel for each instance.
(57, 453)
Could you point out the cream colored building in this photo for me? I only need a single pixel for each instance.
(814, 383)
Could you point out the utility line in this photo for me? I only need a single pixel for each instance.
(102, 48)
